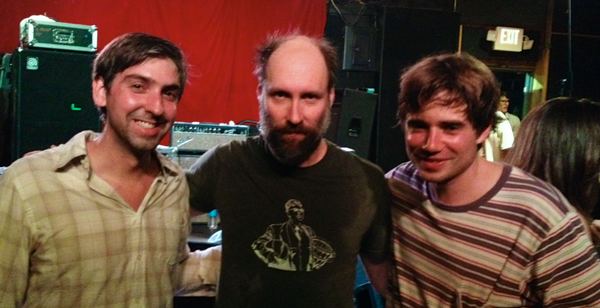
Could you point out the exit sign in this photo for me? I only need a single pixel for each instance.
(508, 39)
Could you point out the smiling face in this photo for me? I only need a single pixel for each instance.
(295, 100)
(441, 142)
(141, 104)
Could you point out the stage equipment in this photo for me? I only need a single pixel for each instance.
(40, 32)
(200, 137)
(51, 99)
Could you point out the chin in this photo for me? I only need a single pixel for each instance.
(433, 177)
(145, 145)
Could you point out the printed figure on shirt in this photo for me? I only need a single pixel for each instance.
(292, 245)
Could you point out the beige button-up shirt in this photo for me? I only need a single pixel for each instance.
(67, 239)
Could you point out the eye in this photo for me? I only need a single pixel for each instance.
(451, 127)
(414, 125)
(279, 94)
(171, 94)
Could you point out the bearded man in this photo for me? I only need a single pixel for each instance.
(345, 198)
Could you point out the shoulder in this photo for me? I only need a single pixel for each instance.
(237, 147)
(341, 159)
(47, 170)
(512, 117)
(407, 174)
(534, 195)
(231, 156)
(53, 158)
(403, 172)
(230, 150)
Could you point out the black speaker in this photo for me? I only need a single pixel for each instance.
(408, 35)
(4, 105)
(51, 99)
(355, 122)
(360, 48)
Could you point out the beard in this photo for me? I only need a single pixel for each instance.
(292, 152)
(136, 144)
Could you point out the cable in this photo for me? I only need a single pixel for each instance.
(570, 50)
(360, 13)
(248, 121)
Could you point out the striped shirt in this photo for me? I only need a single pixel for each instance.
(520, 245)
(67, 239)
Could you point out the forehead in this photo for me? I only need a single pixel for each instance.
(297, 63)
(440, 109)
(155, 69)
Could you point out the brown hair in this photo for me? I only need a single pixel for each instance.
(559, 142)
(466, 80)
(131, 49)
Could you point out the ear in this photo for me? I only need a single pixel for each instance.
(331, 97)
(484, 135)
(259, 90)
(99, 92)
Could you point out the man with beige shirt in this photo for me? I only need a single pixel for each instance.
(103, 220)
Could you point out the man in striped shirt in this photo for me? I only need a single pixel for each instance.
(469, 232)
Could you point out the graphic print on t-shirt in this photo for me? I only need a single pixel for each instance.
(292, 245)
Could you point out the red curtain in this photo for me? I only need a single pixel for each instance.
(218, 36)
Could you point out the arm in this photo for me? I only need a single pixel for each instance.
(201, 271)
(506, 137)
(14, 244)
(378, 271)
(202, 179)
(377, 265)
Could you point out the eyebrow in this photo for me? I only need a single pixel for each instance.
(442, 123)
(272, 90)
(145, 79)
(137, 77)
(416, 122)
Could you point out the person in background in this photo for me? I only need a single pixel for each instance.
(103, 220)
(514, 121)
(560, 143)
(468, 232)
(345, 199)
(501, 137)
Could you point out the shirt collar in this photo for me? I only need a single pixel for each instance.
(77, 150)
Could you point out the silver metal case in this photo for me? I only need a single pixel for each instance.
(58, 35)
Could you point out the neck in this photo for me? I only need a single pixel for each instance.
(316, 156)
(471, 185)
(110, 157)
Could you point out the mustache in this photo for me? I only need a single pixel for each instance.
(292, 129)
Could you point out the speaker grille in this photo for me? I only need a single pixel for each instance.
(52, 98)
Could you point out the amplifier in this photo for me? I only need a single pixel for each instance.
(200, 137)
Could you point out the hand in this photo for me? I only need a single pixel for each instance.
(35, 152)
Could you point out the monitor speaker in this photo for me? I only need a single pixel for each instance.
(355, 121)
(4, 104)
(51, 99)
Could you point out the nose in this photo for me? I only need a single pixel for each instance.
(155, 103)
(295, 112)
(433, 141)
